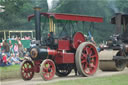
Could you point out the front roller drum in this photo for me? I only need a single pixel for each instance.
(27, 70)
(112, 65)
(86, 59)
(47, 69)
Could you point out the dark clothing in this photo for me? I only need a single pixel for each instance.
(6, 47)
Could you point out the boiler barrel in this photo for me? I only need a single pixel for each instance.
(41, 53)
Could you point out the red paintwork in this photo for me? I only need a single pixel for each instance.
(63, 45)
(78, 38)
(64, 58)
(37, 66)
(71, 17)
(78, 18)
(30, 16)
(52, 52)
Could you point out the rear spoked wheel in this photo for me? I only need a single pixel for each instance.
(86, 59)
(47, 69)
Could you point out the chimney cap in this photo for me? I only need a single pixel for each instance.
(37, 8)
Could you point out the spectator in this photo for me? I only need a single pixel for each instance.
(13, 38)
(5, 61)
(1, 60)
(11, 49)
(27, 37)
(22, 38)
(16, 38)
(0, 48)
(20, 48)
(14, 59)
(17, 56)
(93, 41)
(24, 51)
(9, 38)
(6, 48)
(4, 58)
(27, 54)
(10, 42)
(15, 49)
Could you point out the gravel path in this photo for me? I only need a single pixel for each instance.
(39, 80)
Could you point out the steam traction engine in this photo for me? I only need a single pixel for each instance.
(114, 55)
(60, 55)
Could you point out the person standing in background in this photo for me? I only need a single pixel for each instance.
(11, 49)
(15, 49)
(20, 48)
(6, 48)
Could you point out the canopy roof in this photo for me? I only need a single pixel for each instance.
(124, 19)
(72, 17)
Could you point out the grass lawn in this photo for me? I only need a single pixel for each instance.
(121, 79)
(9, 72)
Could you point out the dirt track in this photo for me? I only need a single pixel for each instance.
(39, 80)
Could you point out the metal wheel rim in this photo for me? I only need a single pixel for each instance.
(26, 70)
(120, 64)
(47, 69)
(86, 59)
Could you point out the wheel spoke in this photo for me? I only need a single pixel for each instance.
(27, 65)
(45, 69)
(91, 65)
(83, 61)
(26, 75)
(92, 60)
(87, 70)
(84, 66)
(93, 56)
(88, 50)
(45, 74)
(23, 67)
(84, 55)
(30, 69)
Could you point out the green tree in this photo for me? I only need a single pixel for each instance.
(100, 8)
(15, 16)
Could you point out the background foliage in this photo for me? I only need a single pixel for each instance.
(15, 16)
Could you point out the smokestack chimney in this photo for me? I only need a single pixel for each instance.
(118, 23)
(37, 24)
